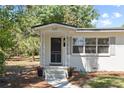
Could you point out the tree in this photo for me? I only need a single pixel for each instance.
(27, 42)
(79, 16)
(30, 45)
(122, 25)
(6, 26)
(6, 34)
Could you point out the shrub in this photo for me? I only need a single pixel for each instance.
(2, 60)
(70, 71)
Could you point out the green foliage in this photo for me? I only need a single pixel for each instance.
(29, 45)
(79, 16)
(6, 28)
(123, 25)
(106, 82)
(70, 71)
(2, 60)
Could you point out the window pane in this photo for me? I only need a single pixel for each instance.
(90, 41)
(103, 49)
(77, 49)
(90, 49)
(78, 41)
(103, 41)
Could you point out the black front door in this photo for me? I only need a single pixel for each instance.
(55, 50)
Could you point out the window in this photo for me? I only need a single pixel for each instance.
(90, 45)
(78, 44)
(103, 45)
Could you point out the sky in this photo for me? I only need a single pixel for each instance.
(110, 16)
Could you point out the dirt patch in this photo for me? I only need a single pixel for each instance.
(22, 74)
(107, 73)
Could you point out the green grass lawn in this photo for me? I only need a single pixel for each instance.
(105, 82)
(99, 80)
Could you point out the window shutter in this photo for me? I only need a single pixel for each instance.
(112, 45)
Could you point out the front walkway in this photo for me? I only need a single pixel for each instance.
(63, 83)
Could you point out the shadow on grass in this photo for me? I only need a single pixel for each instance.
(106, 82)
(21, 76)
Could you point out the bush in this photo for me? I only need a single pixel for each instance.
(2, 60)
(70, 71)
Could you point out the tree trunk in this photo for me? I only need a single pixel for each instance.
(33, 58)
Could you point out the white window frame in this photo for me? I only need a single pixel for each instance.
(90, 54)
(73, 45)
(104, 54)
(91, 45)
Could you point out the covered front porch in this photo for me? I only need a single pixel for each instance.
(55, 49)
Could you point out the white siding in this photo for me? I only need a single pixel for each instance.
(114, 63)
(102, 63)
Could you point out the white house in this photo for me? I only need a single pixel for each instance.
(86, 49)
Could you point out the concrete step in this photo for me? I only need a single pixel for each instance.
(55, 73)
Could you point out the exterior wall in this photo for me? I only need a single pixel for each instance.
(114, 63)
(101, 63)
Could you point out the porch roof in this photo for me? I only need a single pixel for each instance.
(53, 23)
(80, 29)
